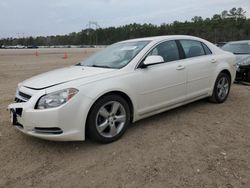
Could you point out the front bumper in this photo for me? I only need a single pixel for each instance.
(64, 123)
(243, 73)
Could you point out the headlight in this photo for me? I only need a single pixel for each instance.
(56, 99)
(245, 62)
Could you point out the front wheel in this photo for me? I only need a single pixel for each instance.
(108, 119)
(221, 88)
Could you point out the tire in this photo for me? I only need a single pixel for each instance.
(221, 88)
(108, 119)
(248, 76)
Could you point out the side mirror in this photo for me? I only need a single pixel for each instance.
(153, 59)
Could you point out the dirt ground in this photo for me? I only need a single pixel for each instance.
(197, 145)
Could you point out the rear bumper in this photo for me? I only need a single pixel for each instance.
(243, 73)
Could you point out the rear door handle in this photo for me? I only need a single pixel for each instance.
(213, 60)
(180, 67)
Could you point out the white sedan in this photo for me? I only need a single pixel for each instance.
(121, 84)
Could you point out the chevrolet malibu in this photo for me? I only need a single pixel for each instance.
(128, 81)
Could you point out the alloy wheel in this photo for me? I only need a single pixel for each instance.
(223, 88)
(110, 119)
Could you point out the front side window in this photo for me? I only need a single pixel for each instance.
(192, 48)
(167, 50)
(115, 56)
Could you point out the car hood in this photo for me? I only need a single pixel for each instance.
(241, 57)
(63, 75)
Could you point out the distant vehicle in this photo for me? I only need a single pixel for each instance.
(220, 44)
(20, 47)
(32, 47)
(14, 47)
(123, 83)
(242, 51)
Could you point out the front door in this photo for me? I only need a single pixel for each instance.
(161, 85)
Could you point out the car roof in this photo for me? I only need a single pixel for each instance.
(160, 38)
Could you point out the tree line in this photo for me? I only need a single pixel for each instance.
(228, 26)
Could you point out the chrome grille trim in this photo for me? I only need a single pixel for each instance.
(21, 97)
(17, 100)
(24, 95)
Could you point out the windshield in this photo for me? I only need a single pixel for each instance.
(239, 48)
(115, 56)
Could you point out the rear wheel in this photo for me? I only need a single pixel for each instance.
(221, 88)
(108, 119)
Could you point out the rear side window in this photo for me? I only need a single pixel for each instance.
(168, 50)
(207, 50)
(192, 48)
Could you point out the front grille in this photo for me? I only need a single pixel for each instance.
(19, 125)
(19, 111)
(23, 95)
(17, 100)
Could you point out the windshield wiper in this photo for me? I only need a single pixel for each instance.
(236, 53)
(102, 66)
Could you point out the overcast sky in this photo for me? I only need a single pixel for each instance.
(50, 17)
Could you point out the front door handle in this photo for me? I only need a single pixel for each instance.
(180, 67)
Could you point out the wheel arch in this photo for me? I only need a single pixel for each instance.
(124, 96)
(213, 98)
(226, 71)
(116, 92)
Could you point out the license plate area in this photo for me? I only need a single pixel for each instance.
(13, 117)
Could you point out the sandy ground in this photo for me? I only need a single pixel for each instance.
(198, 145)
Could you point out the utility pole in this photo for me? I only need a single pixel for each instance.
(93, 25)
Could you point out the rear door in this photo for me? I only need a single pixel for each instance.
(199, 63)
